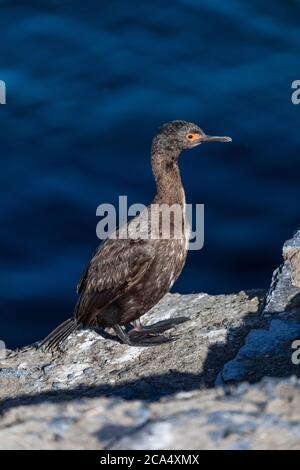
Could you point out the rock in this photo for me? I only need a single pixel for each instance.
(97, 366)
(99, 394)
(264, 416)
(43, 396)
(268, 351)
(261, 417)
(284, 293)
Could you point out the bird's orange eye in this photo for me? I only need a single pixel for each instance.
(193, 137)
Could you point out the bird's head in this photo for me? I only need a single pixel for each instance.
(181, 135)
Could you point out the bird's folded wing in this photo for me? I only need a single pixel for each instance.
(116, 266)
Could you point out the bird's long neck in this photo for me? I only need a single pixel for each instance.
(169, 188)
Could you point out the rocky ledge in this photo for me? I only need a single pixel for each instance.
(228, 380)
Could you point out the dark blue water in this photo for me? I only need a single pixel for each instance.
(88, 83)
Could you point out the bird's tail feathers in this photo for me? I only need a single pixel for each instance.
(59, 335)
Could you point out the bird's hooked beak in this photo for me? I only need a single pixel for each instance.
(214, 138)
(197, 139)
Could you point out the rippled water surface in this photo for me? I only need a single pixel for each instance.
(88, 83)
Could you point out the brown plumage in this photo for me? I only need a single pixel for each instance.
(127, 277)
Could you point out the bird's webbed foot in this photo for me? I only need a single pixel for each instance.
(140, 338)
(148, 335)
(160, 326)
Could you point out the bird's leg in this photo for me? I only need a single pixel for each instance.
(138, 324)
(122, 335)
(159, 327)
(136, 338)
